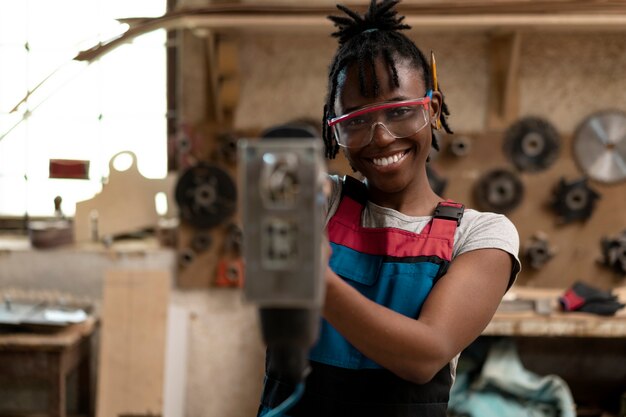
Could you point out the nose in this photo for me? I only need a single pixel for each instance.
(381, 135)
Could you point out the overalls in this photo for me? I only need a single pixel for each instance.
(394, 268)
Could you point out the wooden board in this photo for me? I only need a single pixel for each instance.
(132, 353)
(125, 204)
(50, 341)
(578, 243)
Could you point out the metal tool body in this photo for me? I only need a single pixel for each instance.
(282, 220)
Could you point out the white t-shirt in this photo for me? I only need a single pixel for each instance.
(477, 230)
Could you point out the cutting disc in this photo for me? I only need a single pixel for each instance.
(574, 200)
(206, 195)
(532, 144)
(600, 146)
(499, 191)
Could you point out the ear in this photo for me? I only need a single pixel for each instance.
(435, 108)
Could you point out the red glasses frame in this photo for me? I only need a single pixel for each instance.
(381, 106)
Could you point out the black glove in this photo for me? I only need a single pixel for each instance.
(582, 297)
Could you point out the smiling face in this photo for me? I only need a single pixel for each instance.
(391, 165)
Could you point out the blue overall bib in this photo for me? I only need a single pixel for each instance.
(394, 268)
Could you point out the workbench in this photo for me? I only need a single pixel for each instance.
(557, 323)
(586, 350)
(49, 358)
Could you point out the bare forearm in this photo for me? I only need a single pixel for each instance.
(403, 345)
(455, 312)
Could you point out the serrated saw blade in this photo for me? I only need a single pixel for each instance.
(600, 146)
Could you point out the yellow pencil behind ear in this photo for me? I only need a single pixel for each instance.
(433, 68)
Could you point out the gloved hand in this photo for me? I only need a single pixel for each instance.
(583, 297)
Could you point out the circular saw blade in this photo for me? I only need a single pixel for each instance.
(600, 146)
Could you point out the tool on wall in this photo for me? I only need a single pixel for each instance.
(226, 150)
(499, 190)
(186, 257)
(206, 196)
(600, 146)
(230, 271)
(614, 253)
(574, 200)
(532, 144)
(201, 241)
(538, 251)
(460, 146)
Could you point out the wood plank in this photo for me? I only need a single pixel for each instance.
(53, 341)
(132, 356)
(503, 103)
(568, 14)
(125, 204)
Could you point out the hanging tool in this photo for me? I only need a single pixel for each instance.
(614, 253)
(600, 146)
(460, 146)
(574, 200)
(538, 251)
(532, 144)
(206, 196)
(499, 191)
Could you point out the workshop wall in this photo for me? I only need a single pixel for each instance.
(563, 77)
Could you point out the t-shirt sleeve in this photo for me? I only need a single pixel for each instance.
(491, 231)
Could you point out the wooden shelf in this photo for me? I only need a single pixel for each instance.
(556, 324)
(488, 16)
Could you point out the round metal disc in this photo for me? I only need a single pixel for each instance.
(532, 144)
(499, 190)
(206, 195)
(600, 146)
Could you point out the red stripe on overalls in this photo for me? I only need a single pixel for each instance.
(436, 239)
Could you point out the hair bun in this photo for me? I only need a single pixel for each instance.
(379, 16)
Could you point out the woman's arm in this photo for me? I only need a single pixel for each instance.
(456, 311)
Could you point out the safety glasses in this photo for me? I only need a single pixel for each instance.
(399, 118)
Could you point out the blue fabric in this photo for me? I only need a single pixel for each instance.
(400, 286)
(505, 388)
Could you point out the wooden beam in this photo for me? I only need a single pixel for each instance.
(228, 70)
(503, 102)
(214, 107)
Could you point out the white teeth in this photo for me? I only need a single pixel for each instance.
(387, 160)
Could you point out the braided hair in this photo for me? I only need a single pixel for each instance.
(362, 39)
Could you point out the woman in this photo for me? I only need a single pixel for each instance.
(412, 279)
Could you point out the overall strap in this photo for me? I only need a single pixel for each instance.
(446, 218)
(354, 189)
(353, 200)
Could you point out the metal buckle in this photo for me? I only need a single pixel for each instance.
(449, 212)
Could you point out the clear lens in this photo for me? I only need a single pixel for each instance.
(400, 122)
